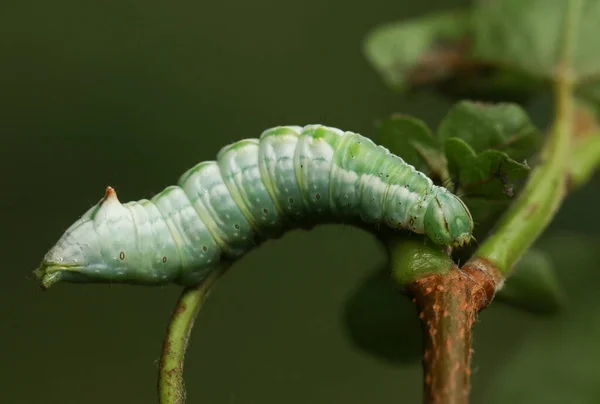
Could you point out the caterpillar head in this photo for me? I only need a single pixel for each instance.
(103, 246)
(448, 220)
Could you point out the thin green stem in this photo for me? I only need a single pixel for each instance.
(547, 186)
(541, 196)
(171, 389)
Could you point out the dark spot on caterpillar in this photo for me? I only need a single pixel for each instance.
(237, 226)
(265, 211)
(204, 248)
(412, 221)
(122, 255)
(318, 196)
(387, 176)
(301, 166)
(164, 259)
(291, 200)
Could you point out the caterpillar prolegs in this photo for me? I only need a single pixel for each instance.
(255, 190)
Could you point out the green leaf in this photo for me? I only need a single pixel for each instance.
(524, 35)
(435, 52)
(482, 143)
(533, 285)
(490, 175)
(378, 316)
(589, 94)
(586, 159)
(538, 36)
(495, 50)
(411, 139)
(487, 182)
(502, 126)
(381, 321)
(401, 52)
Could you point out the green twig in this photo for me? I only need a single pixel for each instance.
(541, 196)
(171, 389)
(546, 188)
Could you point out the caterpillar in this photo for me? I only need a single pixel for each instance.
(256, 189)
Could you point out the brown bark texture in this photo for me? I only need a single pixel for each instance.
(448, 305)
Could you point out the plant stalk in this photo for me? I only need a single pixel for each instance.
(171, 387)
(448, 305)
(547, 185)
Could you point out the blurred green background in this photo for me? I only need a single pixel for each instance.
(133, 93)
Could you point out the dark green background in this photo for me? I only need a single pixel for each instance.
(133, 93)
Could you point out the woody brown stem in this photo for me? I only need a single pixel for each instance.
(448, 305)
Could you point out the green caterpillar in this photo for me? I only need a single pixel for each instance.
(255, 190)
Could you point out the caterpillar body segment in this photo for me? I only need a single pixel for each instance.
(256, 189)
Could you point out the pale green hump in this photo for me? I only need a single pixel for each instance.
(210, 197)
(313, 162)
(408, 195)
(276, 162)
(240, 170)
(358, 187)
(137, 239)
(197, 248)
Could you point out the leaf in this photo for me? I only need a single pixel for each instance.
(591, 94)
(487, 182)
(533, 286)
(585, 160)
(435, 51)
(495, 50)
(538, 36)
(378, 314)
(411, 139)
(482, 143)
(403, 52)
(586, 135)
(501, 126)
(585, 120)
(381, 321)
(491, 174)
(585, 147)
